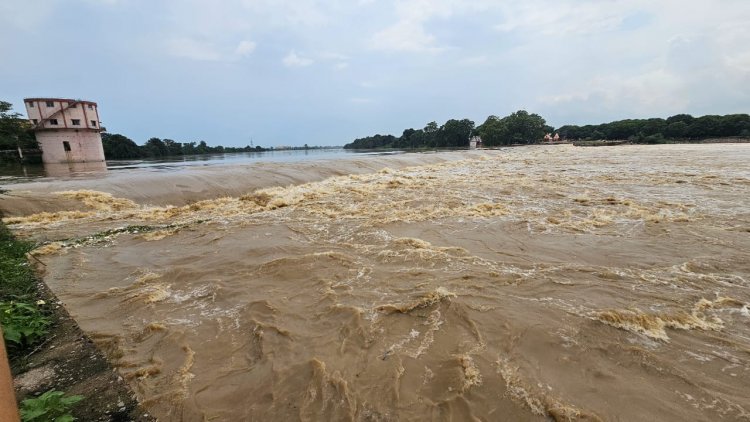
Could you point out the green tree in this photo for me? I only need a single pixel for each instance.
(705, 126)
(155, 147)
(15, 131)
(596, 135)
(493, 131)
(520, 127)
(734, 124)
(202, 148)
(173, 148)
(418, 139)
(456, 133)
(371, 142)
(119, 147)
(188, 148)
(676, 129)
(406, 141)
(431, 127)
(431, 135)
(654, 127)
(684, 118)
(621, 129)
(525, 128)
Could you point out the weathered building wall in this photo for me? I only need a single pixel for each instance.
(74, 134)
(85, 146)
(85, 112)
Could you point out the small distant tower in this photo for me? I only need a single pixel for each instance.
(68, 131)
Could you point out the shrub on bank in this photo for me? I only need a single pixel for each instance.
(24, 323)
(50, 406)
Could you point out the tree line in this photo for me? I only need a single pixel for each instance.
(519, 127)
(120, 147)
(681, 127)
(454, 133)
(523, 127)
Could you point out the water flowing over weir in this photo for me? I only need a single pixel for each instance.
(522, 284)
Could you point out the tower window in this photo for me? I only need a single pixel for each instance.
(53, 122)
(31, 104)
(66, 146)
(75, 122)
(93, 123)
(34, 121)
(73, 105)
(50, 103)
(91, 107)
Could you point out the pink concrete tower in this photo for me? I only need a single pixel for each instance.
(68, 131)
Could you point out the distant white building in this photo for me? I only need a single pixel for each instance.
(68, 131)
(475, 142)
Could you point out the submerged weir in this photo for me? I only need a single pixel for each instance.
(519, 284)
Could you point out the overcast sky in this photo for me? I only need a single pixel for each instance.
(290, 72)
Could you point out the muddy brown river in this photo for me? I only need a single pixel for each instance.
(533, 283)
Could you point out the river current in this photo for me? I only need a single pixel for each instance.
(533, 283)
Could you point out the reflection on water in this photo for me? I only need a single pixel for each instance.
(12, 172)
(177, 163)
(75, 169)
(17, 173)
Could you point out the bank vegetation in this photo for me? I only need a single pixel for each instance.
(523, 127)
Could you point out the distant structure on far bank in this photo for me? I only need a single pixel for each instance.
(68, 131)
(475, 142)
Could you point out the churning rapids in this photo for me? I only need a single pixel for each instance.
(520, 284)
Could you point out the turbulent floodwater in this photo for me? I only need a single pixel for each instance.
(522, 284)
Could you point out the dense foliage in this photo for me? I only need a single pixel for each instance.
(679, 127)
(120, 147)
(454, 133)
(519, 127)
(522, 127)
(15, 131)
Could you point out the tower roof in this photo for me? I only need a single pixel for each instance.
(69, 100)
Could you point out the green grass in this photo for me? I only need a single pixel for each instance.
(17, 278)
(22, 316)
